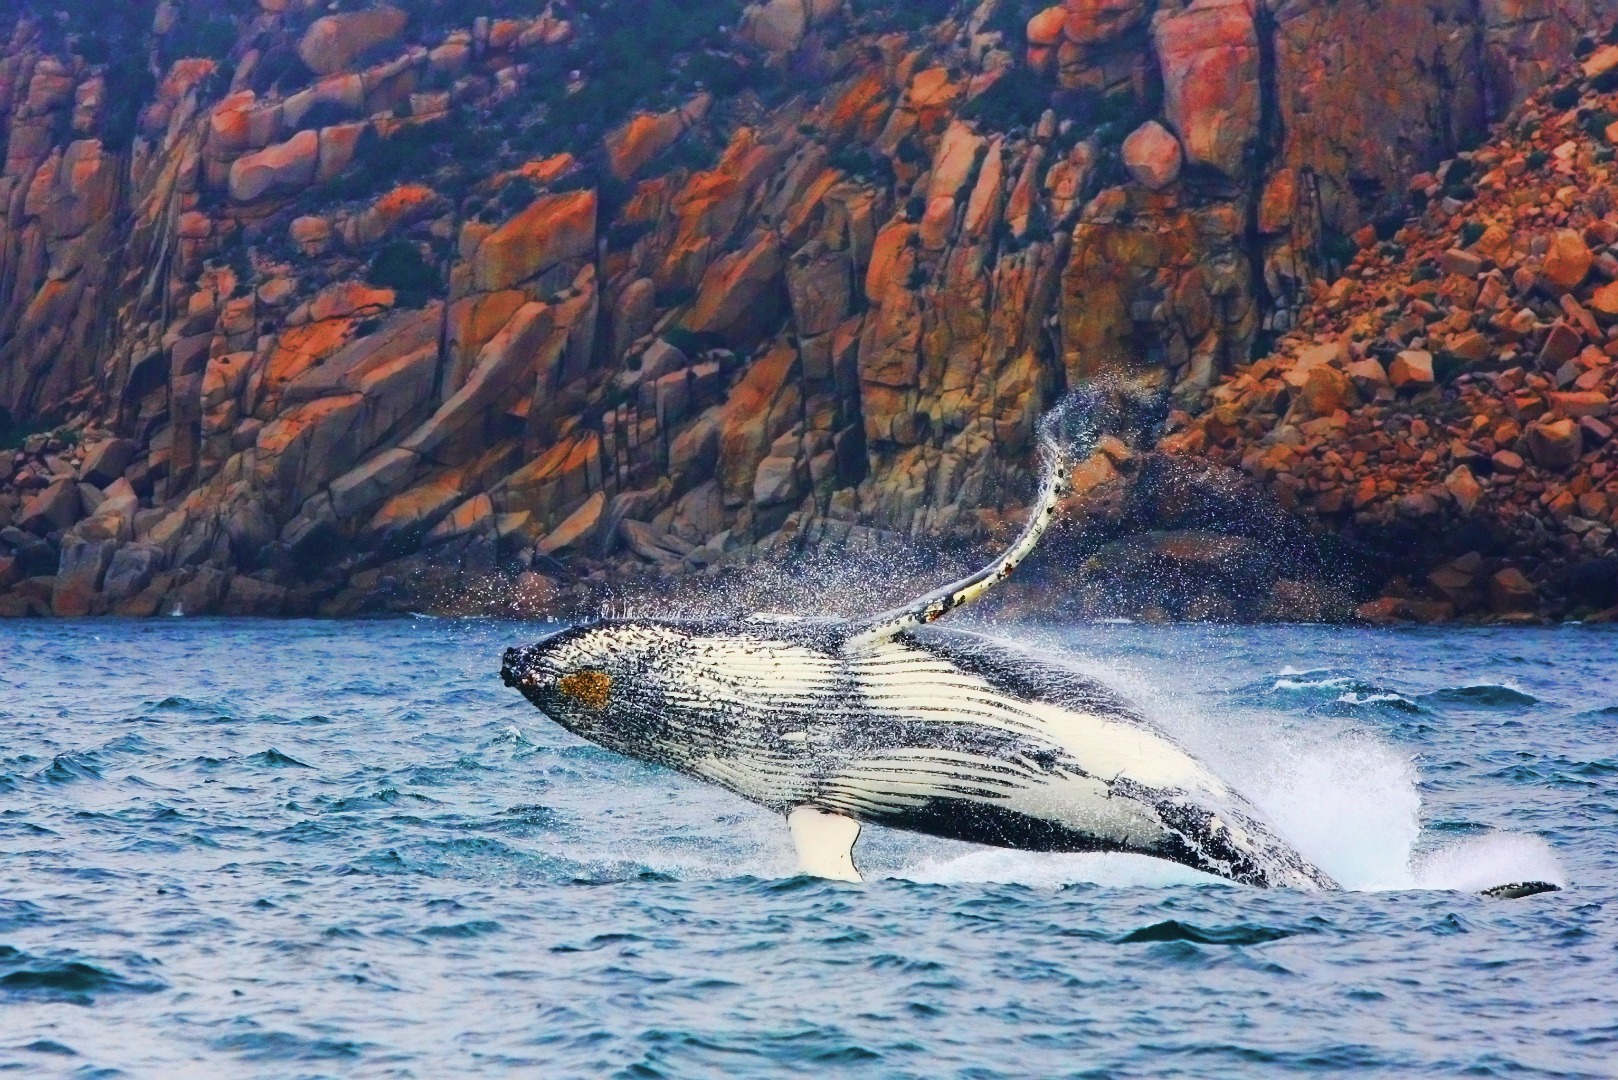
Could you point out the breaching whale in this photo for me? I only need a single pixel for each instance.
(893, 721)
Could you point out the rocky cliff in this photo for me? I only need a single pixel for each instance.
(338, 307)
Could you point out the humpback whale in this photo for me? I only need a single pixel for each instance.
(894, 721)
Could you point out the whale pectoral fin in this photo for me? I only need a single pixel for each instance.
(825, 843)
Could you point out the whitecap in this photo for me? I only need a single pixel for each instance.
(1487, 861)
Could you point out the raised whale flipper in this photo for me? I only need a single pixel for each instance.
(1068, 435)
(825, 843)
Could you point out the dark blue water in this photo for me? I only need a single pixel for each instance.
(260, 849)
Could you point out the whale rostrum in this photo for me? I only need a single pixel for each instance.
(894, 721)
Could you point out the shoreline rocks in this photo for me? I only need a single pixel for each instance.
(373, 309)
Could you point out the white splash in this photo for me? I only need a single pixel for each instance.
(1053, 871)
(1483, 862)
(1346, 798)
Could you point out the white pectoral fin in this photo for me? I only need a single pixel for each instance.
(825, 843)
(935, 605)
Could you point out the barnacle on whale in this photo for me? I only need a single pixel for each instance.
(591, 688)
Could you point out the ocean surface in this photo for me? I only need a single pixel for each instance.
(345, 849)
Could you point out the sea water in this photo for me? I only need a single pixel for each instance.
(345, 849)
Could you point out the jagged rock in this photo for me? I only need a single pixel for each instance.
(734, 286)
(201, 594)
(106, 461)
(362, 489)
(777, 481)
(58, 506)
(1325, 390)
(247, 597)
(78, 578)
(501, 365)
(276, 170)
(349, 298)
(473, 517)
(1369, 375)
(1461, 263)
(338, 146)
(1045, 29)
(751, 422)
(555, 229)
(131, 570)
(776, 26)
(1561, 345)
(631, 147)
(331, 44)
(1579, 404)
(820, 287)
(1093, 22)
(1412, 368)
(1465, 488)
(340, 93)
(404, 205)
(654, 545)
(1568, 261)
(1510, 593)
(1153, 156)
(1555, 444)
(409, 514)
(1604, 301)
(694, 451)
(640, 505)
(580, 531)
(1209, 55)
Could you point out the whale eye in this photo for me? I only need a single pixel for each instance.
(589, 688)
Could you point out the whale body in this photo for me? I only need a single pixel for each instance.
(932, 731)
(894, 721)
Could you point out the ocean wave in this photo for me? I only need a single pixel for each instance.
(1240, 934)
(1336, 692)
(68, 769)
(1481, 696)
(27, 977)
(177, 703)
(1326, 691)
(1385, 698)
(471, 929)
(274, 759)
(286, 1046)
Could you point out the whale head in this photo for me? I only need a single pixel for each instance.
(608, 682)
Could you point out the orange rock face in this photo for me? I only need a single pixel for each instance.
(632, 146)
(553, 230)
(844, 331)
(734, 286)
(1412, 368)
(1091, 22)
(1568, 261)
(332, 43)
(1045, 28)
(1210, 63)
(282, 169)
(1153, 156)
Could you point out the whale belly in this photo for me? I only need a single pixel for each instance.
(948, 749)
(984, 801)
